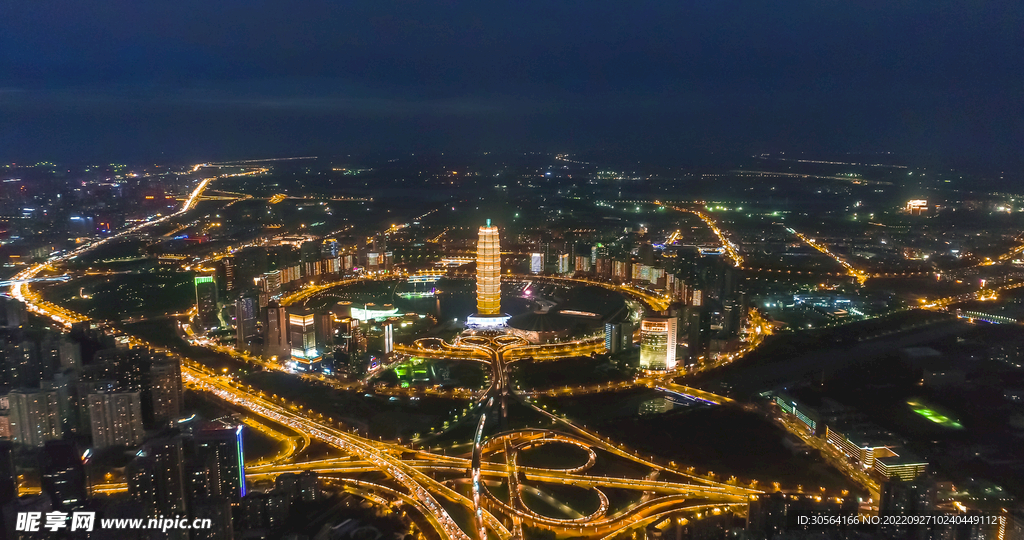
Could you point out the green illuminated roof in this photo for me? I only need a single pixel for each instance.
(934, 415)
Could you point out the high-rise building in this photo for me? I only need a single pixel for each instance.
(156, 477)
(488, 280)
(226, 273)
(658, 343)
(582, 264)
(372, 262)
(324, 321)
(116, 419)
(245, 322)
(63, 474)
(305, 355)
(309, 251)
(488, 271)
(604, 267)
(563, 263)
(70, 354)
(902, 498)
(275, 338)
(329, 248)
(166, 390)
(218, 511)
(206, 301)
(618, 337)
(8, 485)
(21, 364)
(272, 283)
(309, 486)
(622, 270)
(156, 377)
(698, 328)
(389, 337)
(536, 263)
(35, 417)
(220, 450)
(16, 314)
(49, 356)
(1011, 524)
(63, 384)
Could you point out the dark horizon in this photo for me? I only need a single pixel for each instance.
(662, 82)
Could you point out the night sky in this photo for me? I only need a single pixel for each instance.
(191, 80)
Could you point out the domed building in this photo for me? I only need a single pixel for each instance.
(540, 325)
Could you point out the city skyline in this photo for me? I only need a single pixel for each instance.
(436, 270)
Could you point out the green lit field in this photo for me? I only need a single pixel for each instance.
(930, 413)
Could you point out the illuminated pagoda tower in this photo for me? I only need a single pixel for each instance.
(488, 280)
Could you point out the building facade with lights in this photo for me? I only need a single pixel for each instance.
(206, 301)
(305, 356)
(658, 343)
(488, 280)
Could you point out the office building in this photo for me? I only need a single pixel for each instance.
(536, 263)
(275, 334)
(804, 415)
(698, 328)
(272, 283)
(116, 419)
(389, 337)
(226, 273)
(246, 310)
(658, 343)
(618, 337)
(305, 355)
(324, 322)
(206, 301)
(902, 464)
